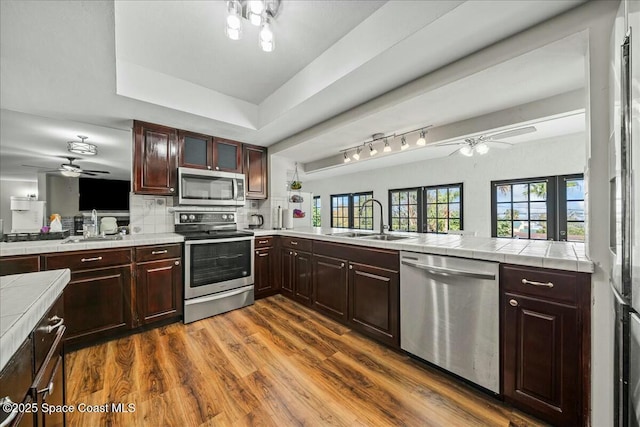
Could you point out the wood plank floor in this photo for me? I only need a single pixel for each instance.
(275, 363)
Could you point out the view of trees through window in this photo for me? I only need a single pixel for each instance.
(443, 208)
(404, 209)
(316, 210)
(539, 208)
(345, 211)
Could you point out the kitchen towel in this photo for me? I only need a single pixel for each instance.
(287, 218)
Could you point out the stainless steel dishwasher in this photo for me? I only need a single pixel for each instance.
(449, 315)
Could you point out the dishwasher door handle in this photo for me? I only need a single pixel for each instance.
(440, 271)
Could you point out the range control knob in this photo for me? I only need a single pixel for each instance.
(183, 218)
(224, 217)
(230, 217)
(192, 217)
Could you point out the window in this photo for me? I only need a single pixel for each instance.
(404, 205)
(345, 211)
(432, 209)
(443, 207)
(546, 208)
(315, 212)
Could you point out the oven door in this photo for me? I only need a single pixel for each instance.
(210, 188)
(217, 265)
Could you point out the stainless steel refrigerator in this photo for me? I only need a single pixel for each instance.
(624, 209)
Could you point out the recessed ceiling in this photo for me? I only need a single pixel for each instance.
(59, 60)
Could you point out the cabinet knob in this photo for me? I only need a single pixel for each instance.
(172, 189)
(177, 263)
(513, 303)
(208, 167)
(342, 265)
(290, 253)
(350, 267)
(295, 254)
(217, 168)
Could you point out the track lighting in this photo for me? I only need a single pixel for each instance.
(372, 151)
(387, 147)
(356, 155)
(466, 151)
(422, 141)
(403, 143)
(347, 159)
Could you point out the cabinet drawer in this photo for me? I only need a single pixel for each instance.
(383, 258)
(295, 243)
(263, 242)
(46, 332)
(19, 264)
(52, 359)
(83, 260)
(153, 253)
(555, 285)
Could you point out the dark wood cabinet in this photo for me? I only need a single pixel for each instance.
(374, 302)
(208, 152)
(330, 290)
(287, 266)
(255, 171)
(155, 159)
(196, 150)
(296, 278)
(545, 340)
(265, 267)
(303, 280)
(19, 264)
(158, 290)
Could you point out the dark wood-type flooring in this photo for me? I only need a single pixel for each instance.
(275, 363)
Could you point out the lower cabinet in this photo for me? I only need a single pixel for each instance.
(266, 277)
(374, 302)
(19, 264)
(330, 290)
(295, 275)
(545, 340)
(98, 303)
(159, 290)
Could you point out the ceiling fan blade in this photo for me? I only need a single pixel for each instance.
(454, 153)
(450, 143)
(88, 173)
(511, 133)
(94, 172)
(500, 142)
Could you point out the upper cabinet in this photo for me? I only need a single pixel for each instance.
(207, 152)
(255, 171)
(154, 159)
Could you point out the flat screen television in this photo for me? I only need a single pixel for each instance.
(104, 194)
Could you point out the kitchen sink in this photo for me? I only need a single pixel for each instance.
(80, 239)
(386, 237)
(351, 234)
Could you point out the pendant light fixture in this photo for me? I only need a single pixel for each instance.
(82, 147)
(260, 13)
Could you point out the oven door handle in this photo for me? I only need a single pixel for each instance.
(219, 295)
(208, 241)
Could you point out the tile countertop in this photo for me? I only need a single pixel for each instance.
(24, 299)
(48, 246)
(537, 253)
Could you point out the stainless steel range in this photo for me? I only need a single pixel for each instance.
(218, 262)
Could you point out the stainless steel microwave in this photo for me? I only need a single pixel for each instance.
(198, 187)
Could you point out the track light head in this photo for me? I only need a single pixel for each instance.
(422, 141)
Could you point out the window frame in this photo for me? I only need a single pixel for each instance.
(556, 204)
(316, 207)
(563, 222)
(350, 207)
(422, 207)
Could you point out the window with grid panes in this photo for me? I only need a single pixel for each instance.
(572, 226)
(404, 206)
(316, 211)
(345, 211)
(443, 208)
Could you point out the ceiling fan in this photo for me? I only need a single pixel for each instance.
(481, 143)
(71, 169)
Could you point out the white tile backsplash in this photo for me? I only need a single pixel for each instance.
(150, 214)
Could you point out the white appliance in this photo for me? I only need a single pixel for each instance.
(624, 239)
(27, 215)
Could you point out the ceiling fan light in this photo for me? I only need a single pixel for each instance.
(422, 141)
(482, 148)
(466, 151)
(387, 147)
(83, 148)
(70, 173)
(403, 143)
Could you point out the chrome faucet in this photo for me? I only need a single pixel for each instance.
(381, 209)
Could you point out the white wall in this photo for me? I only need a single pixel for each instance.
(553, 156)
(13, 188)
(63, 195)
